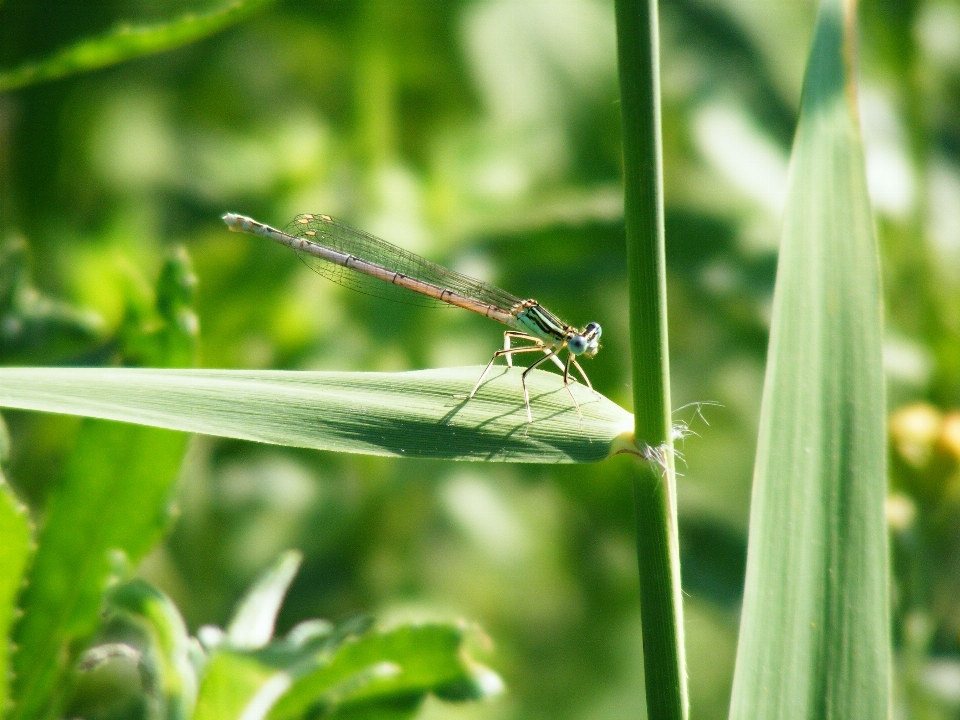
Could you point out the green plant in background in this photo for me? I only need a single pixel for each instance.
(110, 508)
(814, 636)
(346, 671)
(127, 42)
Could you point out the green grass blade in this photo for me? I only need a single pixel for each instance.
(814, 638)
(14, 552)
(127, 42)
(654, 486)
(417, 414)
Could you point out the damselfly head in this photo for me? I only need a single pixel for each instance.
(586, 342)
(592, 334)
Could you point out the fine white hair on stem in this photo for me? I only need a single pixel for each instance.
(658, 456)
(681, 429)
(698, 406)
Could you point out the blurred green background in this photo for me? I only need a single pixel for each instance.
(484, 134)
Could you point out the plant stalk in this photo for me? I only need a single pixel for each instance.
(654, 482)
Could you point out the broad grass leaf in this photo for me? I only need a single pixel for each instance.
(814, 636)
(415, 414)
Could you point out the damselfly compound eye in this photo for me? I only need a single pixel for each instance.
(577, 344)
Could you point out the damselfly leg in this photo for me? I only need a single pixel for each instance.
(582, 373)
(526, 394)
(501, 353)
(513, 335)
(566, 383)
(549, 354)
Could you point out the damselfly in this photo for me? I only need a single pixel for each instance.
(362, 262)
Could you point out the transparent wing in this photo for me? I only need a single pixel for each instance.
(324, 230)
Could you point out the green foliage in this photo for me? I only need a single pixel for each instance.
(421, 414)
(816, 591)
(230, 682)
(349, 671)
(382, 669)
(109, 510)
(15, 532)
(485, 136)
(128, 42)
(167, 660)
(37, 327)
(252, 624)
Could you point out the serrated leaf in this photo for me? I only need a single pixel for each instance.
(111, 507)
(253, 621)
(14, 552)
(814, 639)
(421, 414)
(127, 42)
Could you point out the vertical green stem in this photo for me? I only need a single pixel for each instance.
(654, 485)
